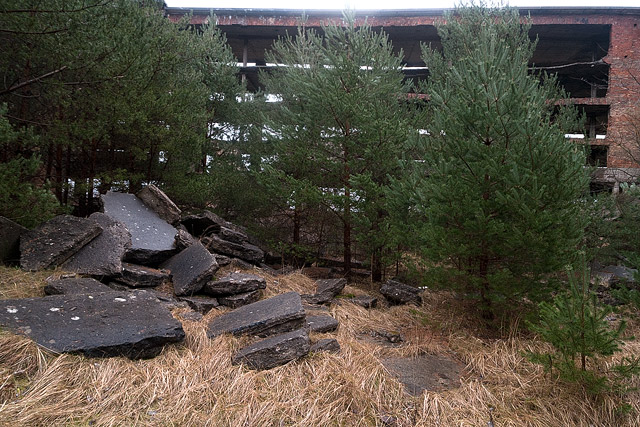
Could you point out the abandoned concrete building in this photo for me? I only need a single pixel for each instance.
(595, 53)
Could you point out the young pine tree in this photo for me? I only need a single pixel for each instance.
(340, 127)
(499, 205)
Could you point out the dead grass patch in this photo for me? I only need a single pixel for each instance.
(194, 384)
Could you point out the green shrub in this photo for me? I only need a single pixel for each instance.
(577, 327)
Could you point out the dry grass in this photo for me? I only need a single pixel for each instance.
(194, 384)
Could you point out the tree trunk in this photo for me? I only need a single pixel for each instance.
(296, 226)
(376, 265)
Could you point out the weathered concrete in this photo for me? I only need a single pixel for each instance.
(326, 344)
(103, 255)
(322, 323)
(274, 351)
(53, 242)
(139, 276)
(203, 224)
(244, 251)
(75, 286)
(399, 293)
(10, 233)
(152, 238)
(364, 301)
(275, 315)
(621, 274)
(235, 283)
(191, 269)
(184, 239)
(201, 304)
(131, 324)
(235, 301)
(326, 290)
(155, 198)
(234, 236)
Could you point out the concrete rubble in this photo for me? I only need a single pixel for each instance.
(271, 316)
(55, 241)
(399, 293)
(152, 238)
(103, 255)
(326, 291)
(142, 242)
(191, 269)
(274, 351)
(95, 324)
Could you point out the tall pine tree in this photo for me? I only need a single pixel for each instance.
(500, 205)
(339, 128)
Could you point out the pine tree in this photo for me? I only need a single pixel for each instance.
(340, 127)
(499, 207)
(576, 324)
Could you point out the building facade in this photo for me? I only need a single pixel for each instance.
(595, 52)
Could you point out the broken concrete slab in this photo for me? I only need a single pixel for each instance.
(10, 233)
(245, 251)
(322, 323)
(184, 239)
(152, 238)
(201, 304)
(274, 351)
(326, 344)
(70, 286)
(364, 301)
(103, 255)
(160, 203)
(203, 224)
(191, 269)
(139, 276)
(399, 293)
(326, 290)
(235, 301)
(233, 236)
(235, 283)
(621, 274)
(131, 324)
(275, 315)
(425, 372)
(55, 241)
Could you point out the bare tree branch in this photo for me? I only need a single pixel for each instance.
(30, 81)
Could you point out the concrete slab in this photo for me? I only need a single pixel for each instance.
(245, 251)
(103, 255)
(152, 238)
(139, 276)
(326, 290)
(399, 293)
(55, 241)
(160, 203)
(275, 315)
(326, 344)
(201, 304)
(131, 324)
(323, 323)
(274, 351)
(235, 283)
(75, 286)
(191, 269)
(235, 301)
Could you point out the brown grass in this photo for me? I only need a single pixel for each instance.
(194, 384)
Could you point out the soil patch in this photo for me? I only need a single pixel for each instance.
(425, 372)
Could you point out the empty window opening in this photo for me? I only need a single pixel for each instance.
(598, 156)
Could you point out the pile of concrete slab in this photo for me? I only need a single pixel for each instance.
(141, 243)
